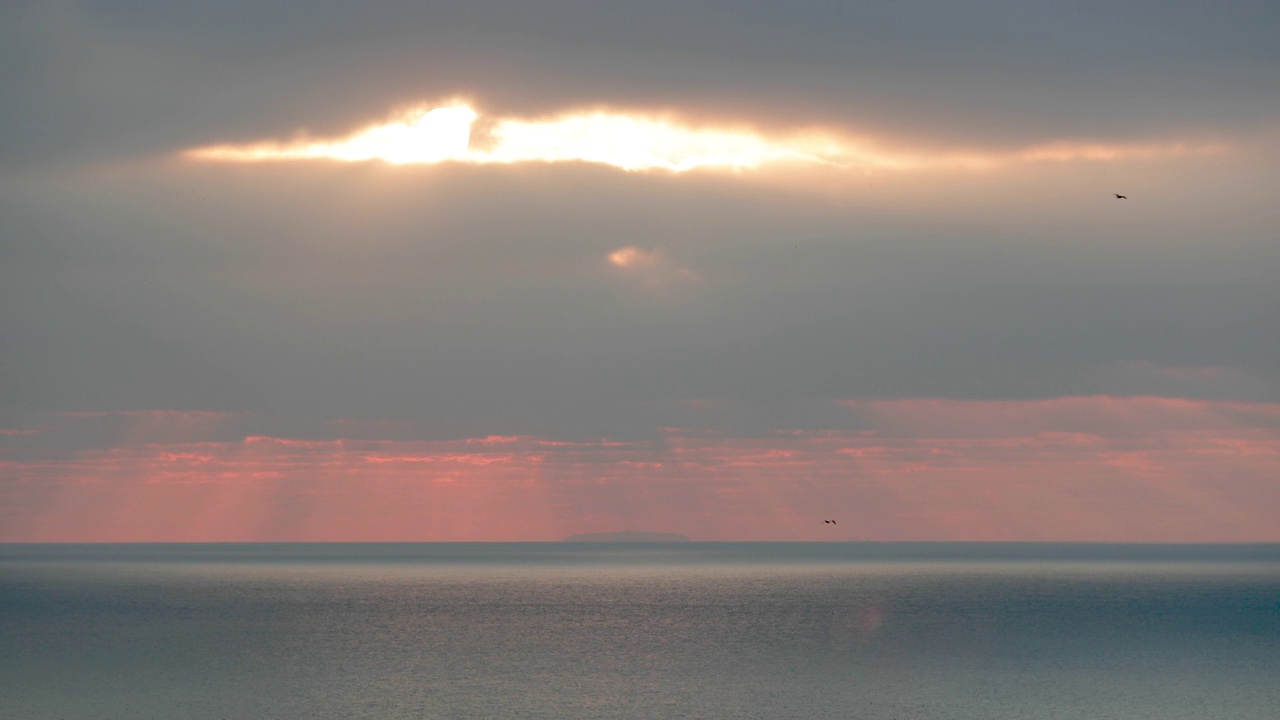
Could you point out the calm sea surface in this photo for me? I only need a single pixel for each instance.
(875, 631)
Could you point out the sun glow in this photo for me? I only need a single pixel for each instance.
(457, 132)
(630, 142)
(638, 143)
(422, 136)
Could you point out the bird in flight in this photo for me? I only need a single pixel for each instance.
(833, 522)
(1121, 197)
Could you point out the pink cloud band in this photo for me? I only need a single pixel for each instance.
(1067, 469)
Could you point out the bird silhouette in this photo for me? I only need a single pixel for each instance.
(833, 522)
(1121, 197)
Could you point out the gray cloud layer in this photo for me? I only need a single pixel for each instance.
(480, 299)
(84, 79)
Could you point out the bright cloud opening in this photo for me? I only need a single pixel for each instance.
(629, 142)
(423, 136)
(637, 142)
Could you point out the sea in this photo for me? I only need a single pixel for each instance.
(555, 631)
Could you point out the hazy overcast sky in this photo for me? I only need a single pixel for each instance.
(919, 307)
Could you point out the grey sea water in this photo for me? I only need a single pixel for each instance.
(853, 630)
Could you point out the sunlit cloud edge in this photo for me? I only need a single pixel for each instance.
(456, 132)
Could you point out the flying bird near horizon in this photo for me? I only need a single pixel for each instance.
(1121, 197)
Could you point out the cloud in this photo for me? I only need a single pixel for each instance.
(1105, 415)
(654, 268)
(1077, 468)
(22, 432)
(632, 141)
(89, 81)
(628, 141)
(468, 290)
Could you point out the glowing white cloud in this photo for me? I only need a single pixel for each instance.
(635, 142)
(628, 142)
(422, 136)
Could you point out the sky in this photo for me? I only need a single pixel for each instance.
(499, 271)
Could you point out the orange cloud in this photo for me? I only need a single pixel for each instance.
(655, 268)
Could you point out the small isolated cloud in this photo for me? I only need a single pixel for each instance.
(654, 268)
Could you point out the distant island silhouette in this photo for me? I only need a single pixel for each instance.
(627, 536)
